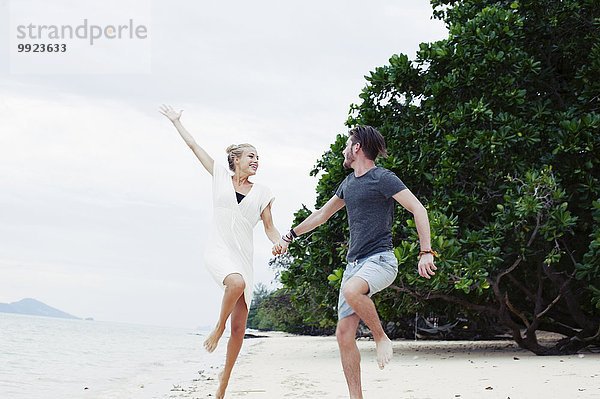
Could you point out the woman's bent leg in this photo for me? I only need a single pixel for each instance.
(239, 316)
(234, 289)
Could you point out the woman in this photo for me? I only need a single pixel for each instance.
(238, 206)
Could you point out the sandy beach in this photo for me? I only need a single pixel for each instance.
(285, 366)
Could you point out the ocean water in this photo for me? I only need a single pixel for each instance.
(57, 358)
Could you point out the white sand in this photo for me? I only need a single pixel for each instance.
(282, 366)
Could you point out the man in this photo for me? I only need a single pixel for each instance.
(368, 194)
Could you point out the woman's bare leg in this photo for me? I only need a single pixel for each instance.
(234, 289)
(239, 316)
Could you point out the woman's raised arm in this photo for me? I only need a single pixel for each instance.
(202, 155)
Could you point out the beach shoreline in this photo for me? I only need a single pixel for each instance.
(288, 366)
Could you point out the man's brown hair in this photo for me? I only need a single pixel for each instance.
(370, 140)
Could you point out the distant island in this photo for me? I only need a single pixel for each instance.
(30, 306)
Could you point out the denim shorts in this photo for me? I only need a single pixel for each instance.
(378, 270)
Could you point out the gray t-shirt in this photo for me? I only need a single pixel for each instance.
(370, 208)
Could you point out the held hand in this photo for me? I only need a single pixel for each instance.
(276, 249)
(426, 266)
(170, 113)
(281, 247)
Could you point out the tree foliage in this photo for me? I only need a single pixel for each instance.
(274, 311)
(496, 130)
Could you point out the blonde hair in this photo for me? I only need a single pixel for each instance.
(236, 151)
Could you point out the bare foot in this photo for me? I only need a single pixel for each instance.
(220, 394)
(211, 342)
(384, 352)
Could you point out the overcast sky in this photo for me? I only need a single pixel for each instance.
(104, 210)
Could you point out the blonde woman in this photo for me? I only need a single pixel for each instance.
(239, 205)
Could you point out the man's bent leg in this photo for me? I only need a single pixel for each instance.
(346, 338)
(355, 292)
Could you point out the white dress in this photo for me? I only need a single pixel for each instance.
(230, 247)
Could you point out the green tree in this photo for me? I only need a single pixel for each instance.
(279, 310)
(496, 129)
(275, 312)
(259, 295)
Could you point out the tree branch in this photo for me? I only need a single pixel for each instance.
(570, 299)
(537, 227)
(446, 298)
(542, 313)
(520, 286)
(516, 311)
(510, 269)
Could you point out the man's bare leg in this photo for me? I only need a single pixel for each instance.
(355, 291)
(346, 338)
(239, 316)
(234, 288)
